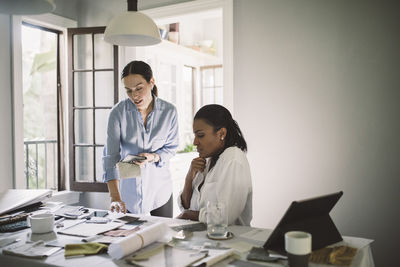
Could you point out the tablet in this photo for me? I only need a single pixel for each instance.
(309, 215)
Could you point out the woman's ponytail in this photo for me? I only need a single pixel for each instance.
(154, 91)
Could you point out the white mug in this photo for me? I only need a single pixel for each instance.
(298, 248)
(41, 223)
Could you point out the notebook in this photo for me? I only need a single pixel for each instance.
(89, 229)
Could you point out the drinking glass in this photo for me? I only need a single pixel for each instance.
(217, 220)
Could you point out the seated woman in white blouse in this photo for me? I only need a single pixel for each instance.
(221, 173)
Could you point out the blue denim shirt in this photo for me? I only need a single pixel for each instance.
(126, 135)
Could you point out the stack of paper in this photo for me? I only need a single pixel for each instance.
(31, 250)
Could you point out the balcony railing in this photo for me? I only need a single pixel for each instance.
(41, 164)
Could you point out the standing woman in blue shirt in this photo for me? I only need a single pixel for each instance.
(144, 125)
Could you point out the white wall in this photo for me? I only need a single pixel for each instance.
(6, 167)
(316, 93)
(66, 9)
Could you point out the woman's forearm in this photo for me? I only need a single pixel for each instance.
(187, 192)
(190, 215)
(113, 188)
(116, 202)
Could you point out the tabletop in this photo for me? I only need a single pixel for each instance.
(244, 238)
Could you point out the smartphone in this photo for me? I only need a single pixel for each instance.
(132, 158)
(99, 213)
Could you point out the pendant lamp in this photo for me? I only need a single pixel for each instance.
(132, 28)
(26, 7)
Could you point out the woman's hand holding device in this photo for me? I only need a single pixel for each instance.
(144, 158)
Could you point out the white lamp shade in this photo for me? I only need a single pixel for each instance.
(26, 7)
(132, 28)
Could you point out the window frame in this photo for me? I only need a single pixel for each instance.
(17, 177)
(214, 86)
(92, 186)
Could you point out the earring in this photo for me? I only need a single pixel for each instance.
(222, 138)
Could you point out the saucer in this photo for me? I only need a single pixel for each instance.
(228, 235)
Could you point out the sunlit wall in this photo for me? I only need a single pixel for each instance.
(316, 92)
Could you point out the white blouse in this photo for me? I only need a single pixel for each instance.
(228, 181)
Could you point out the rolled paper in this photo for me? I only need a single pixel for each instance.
(136, 241)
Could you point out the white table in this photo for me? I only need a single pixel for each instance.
(244, 238)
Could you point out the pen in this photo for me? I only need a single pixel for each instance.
(90, 239)
(59, 220)
(72, 225)
(59, 223)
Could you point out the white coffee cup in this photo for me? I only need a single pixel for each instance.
(298, 248)
(41, 223)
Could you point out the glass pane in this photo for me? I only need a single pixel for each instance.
(219, 95)
(186, 111)
(173, 94)
(208, 77)
(83, 51)
(188, 99)
(84, 126)
(164, 91)
(83, 89)
(208, 96)
(103, 53)
(167, 82)
(164, 74)
(84, 164)
(173, 74)
(101, 116)
(219, 77)
(39, 81)
(104, 83)
(99, 164)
